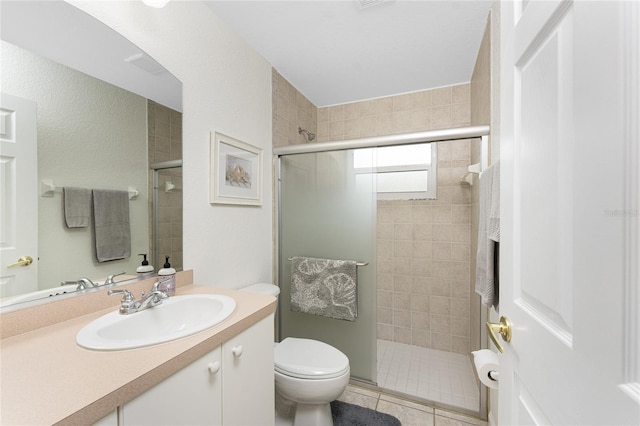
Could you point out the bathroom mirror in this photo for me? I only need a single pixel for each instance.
(106, 112)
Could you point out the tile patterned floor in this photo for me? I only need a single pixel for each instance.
(438, 376)
(409, 413)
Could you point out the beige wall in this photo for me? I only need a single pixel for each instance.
(291, 109)
(424, 245)
(426, 110)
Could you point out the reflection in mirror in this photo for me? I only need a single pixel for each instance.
(90, 134)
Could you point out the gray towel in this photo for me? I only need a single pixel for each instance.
(324, 287)
(77, 207)
(111, 222)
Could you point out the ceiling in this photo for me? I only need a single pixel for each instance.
(337, 52)
(333, 52)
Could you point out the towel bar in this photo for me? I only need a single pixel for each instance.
(48, 189)
(357, 263)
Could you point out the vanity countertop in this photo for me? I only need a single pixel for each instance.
(46, 378)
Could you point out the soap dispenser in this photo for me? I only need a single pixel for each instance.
(144, 270)
(167, 278)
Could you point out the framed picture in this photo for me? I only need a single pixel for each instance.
(236, 171)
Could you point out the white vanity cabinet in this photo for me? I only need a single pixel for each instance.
(248, 386)
(191, 396)
(108, 420)
(232, 385)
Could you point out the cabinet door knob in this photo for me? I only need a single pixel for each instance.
(237, 351)
(214, 367)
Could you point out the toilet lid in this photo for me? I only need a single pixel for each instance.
(309, 359)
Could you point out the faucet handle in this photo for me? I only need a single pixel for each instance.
(155, 286)
(128, 301)
(127, 294)
(156, 292)
(86, 282)
(110, 278)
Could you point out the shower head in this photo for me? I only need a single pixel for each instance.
(310, 136)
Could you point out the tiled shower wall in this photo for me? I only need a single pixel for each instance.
(164, 144)
(290, 111)
(424, 246)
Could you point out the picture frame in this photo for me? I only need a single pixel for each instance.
(236, 172)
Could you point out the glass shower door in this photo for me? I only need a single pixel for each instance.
(166, 215)
(324, 213)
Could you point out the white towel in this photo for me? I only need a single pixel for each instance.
(493, 225)
(324, 287)
(488, 234)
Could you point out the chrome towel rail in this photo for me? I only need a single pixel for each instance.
(357, 263)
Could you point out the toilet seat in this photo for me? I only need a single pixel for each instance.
(309, 359)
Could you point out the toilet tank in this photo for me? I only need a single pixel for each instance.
(263, 288)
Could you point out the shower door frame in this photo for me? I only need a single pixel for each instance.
(443, 135)
(366, 301)
(155, 169)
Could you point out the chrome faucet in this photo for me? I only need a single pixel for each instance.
(85, 282)
(110, 278)
(130, 305)
(82, 283)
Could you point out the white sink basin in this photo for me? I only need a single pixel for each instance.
(41, 294)
(176, 317)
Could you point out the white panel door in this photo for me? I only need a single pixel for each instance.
(569, 198)
(18, 195)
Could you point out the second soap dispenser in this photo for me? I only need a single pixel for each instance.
(167, 278)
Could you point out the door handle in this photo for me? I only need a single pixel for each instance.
(23, 261)
(504, 328)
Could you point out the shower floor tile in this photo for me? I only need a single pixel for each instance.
(438, 376)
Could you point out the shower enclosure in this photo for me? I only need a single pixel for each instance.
(414, 302)
(325, 214)
(166, 214)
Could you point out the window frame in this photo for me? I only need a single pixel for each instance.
(431, 193)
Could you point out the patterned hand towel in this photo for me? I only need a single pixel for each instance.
(324, 287)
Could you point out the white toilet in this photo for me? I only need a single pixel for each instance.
(308, 374)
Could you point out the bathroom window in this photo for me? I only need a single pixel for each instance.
(403, 172)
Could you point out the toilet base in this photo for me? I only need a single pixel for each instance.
(289, 413)
(312, 415)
